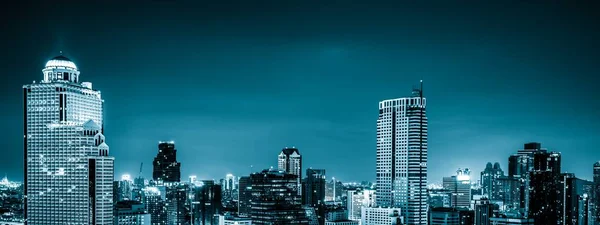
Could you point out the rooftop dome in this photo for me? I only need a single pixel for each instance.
(61, 61)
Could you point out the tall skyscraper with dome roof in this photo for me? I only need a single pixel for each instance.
(67, 167)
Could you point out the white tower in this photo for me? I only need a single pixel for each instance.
(402, 156)
(68, 170)
(290, 161)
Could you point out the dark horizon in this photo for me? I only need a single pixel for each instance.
(233, 84)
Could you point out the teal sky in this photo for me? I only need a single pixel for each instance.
(234, 83)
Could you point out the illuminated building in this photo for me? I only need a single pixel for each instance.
(68, 172)
(333, 190)
(489, 181)
(123, 189)
(290, 161)
(313, 187)
(595, 197)
(154, 200)
(460, 188)
(381, 216)
(206, 202)
(484, 210)
(439, 197)
(229, 219)
(545, 195)
(166, 168)
(402, 156)
(275, 199)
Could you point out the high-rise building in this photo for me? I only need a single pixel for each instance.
(402, 156)
(314, 187)
(290, 161)
(484, 210)
(595, 197)
(229, 192)
(510, 193)
(228, 219)
(519, 167)
(131, 213)
(166, 168)
(507, 220)
(68, 172)
(545, 197)
(275, 199)
(206, 202)
(460, 188)
(381, 216)
(245, 196)
(176, 198)
(154, 200)
(489, 180)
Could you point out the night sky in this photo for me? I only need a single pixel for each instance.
(232, 84)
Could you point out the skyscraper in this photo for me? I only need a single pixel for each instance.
(489, 180)
(245, 195)
(402, 156)
(596, 194)
(460, 188)
(207, 195)
(545, 197)
(275, 199)
(356, 200)
(131, 213)
(519, 167)
(484, 210)
(290, 161)
(176, 198)
(68, 172)
(313, 187)
(154, 200)
(166, 167)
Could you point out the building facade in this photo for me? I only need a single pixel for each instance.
(154, 201)
(275, 199)
(451, 216)
(290, 161)
(206, 202)
(460, 188)
(245, 196)
(68, 171)
(402, 156)
(490, 183)
(166, 168)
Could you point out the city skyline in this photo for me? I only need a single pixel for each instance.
(156, 93)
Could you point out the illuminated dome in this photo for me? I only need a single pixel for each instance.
(61, 61)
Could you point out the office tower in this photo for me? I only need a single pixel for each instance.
(519, 166)
(154, 200)
(166, 167)
(544, 193)
(439, 197)
(489, 180)
(336, 213)
(381, 216)
(206, 202)
(510, 193)
(314, 187)
(460, 188)
(333, 190)
(275, 199)
(176, 198)
(595, 197)
(245, 196)
(131, 213)
(451, 216)
(572, 199)
(402, 156)
(230, 183)
(484, 210)
(356, 200)
(290, 161)
(68, 172)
